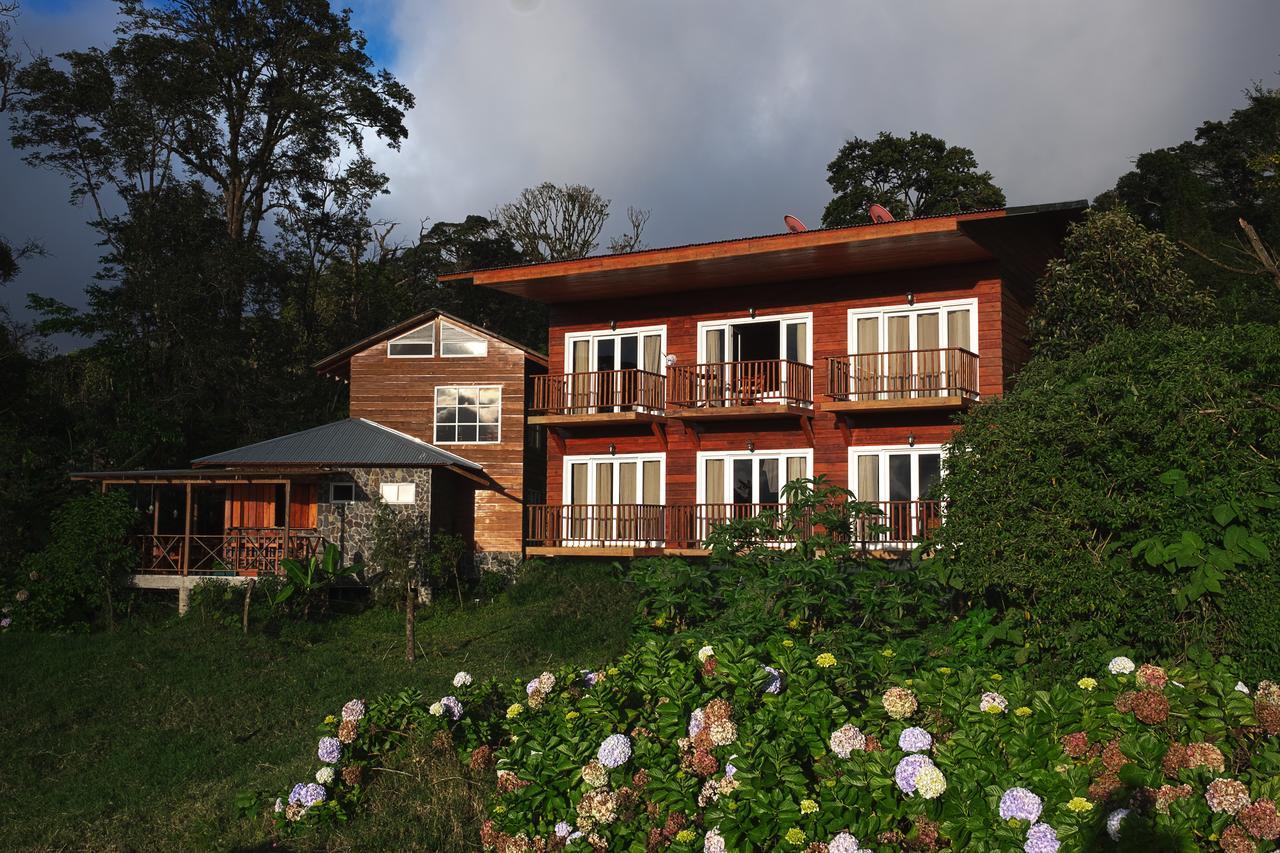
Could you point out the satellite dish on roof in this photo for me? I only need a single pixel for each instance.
(879, 213)
(794, 224)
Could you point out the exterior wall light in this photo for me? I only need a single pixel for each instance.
(751, 446)
(752, 313)
(613, 325)
(613, 449)
(911, 298)
(911, 439)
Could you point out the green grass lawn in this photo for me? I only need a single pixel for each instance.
(142, 737)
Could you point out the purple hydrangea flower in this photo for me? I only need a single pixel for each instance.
(330, 750)
(1113, 823)
(295, 796)
(563, 829)
(615, 751)
(1042, 838)
(774, 684)
(530, 687)
(729, 769)
(5, 623)
(696, 722)
(905, 773)
(353, 710)
(590, 677)
(914, 739)
(313, 795)
(1021, 804)
(453, 706)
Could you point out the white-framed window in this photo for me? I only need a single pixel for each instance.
(468, 414)
(923, 326)
(638, 348)
(761, 338)
(614, 500)
(901, 481)
(416, 343)
(342, 492)
(399, 493)
(459, 343)
(747, 478)
(924, 350)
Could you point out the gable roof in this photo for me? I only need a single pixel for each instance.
(331, 363)
(1016, 236)
(354, 442)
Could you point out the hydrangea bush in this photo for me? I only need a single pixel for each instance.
(784, 744)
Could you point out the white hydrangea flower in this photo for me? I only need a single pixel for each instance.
(325, 776)
(436, 709)
(462, 679)
(1120, 665)
(1113, 823)
(704, 653)
(1242, 687)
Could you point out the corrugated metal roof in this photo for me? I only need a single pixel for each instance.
(355, 442)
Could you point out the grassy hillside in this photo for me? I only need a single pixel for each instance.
(142, 738)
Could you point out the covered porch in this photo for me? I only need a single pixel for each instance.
(220, 523)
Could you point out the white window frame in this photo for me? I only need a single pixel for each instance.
(334, 499)
(435, 411)
(595, 334)
(439, 346)
(592, 459)
(881, 311)
(884, 451)
(706, 325)
(399, 488)
(435, 341)
(730, 455)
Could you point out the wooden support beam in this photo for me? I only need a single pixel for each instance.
(186, 536)
(284, 549)
(806, 424)
(692, 430)
(659, 432)
(843, 422)
(558, 437)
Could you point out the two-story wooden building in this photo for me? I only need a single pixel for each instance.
(686, 385)
(437, 423)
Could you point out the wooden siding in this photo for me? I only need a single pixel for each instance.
(400, 393)
(829, 301)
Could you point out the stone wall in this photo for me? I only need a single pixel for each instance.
(350, 525)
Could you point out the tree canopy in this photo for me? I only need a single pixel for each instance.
(916, 175)
(556, 223)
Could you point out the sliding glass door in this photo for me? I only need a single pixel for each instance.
(901, 483)
(741, 485)
(614, 500)
(598, 360)
(909, 352)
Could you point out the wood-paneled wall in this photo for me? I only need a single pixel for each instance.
(1001, 348)
(400, 393)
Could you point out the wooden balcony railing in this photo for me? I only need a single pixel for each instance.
(741, 383)
(245, 551)
(599, 391)
(581, 525)
(899, 526)
(903, 374)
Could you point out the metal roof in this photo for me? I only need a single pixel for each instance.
(354, 442)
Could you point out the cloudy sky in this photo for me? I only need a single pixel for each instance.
(720, 115)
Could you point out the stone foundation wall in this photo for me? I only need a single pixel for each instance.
(504, 562)
(350, 525)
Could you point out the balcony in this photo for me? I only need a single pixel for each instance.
(252, 552)
(637, 530)
(598, 397)
(903, 379)
(732, 389)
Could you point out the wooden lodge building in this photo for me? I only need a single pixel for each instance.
(684, 386)
(687, 384)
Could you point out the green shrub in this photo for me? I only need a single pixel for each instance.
(1126, 496)
(76, 579)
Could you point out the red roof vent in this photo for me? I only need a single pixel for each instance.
(879, 213)
(794, 225)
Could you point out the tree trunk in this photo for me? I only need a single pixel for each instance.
(248, 594)
(111, 610)
(410, 640)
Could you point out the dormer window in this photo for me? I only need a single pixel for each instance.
(458, 343)
(419, 343)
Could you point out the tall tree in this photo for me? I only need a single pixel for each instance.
(254, 97)
(556, 223)
(916, 175)
(1219, 197)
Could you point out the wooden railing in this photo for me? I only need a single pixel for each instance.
(741, 383)
(599, 391)
(582, 525)
(898, 526)
(245, 551)
(903, 374)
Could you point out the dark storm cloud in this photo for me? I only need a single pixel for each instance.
(721, 116)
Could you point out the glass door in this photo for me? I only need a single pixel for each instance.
(611, 359)
(900, 483)
(743, 486)
(614, 501)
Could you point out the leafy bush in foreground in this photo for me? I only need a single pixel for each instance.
(784, 745)
(1127, 495)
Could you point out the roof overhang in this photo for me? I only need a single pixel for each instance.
(820, 253)
(209, 476)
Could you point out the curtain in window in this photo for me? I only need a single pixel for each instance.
(928, 359)
(959, 370)
(866, 369)
(899, 333)
(604, 495)
(580, 390)
(578, 497)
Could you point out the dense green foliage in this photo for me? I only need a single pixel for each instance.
(142, 738)
(76, 579)
(917, 175)
(1113, 274)
(1062, 501)
(1198, 191)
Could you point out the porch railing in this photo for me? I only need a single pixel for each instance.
(244, 551)
(903, 374)
(900, 525)
(598, 391)
(741, 383)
